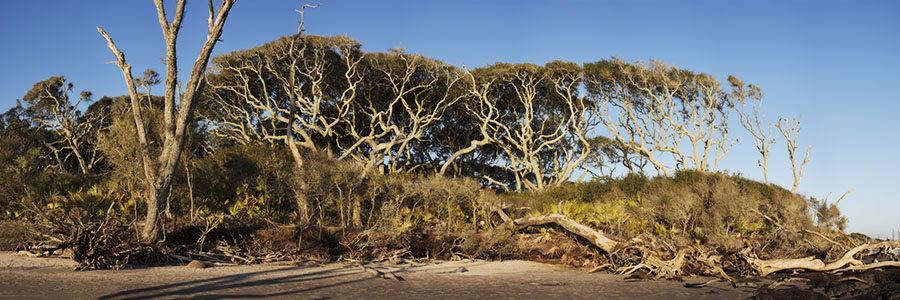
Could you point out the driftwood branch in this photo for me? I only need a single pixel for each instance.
(766, 267)
(595, 237)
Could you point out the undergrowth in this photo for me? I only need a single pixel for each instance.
(250, 199)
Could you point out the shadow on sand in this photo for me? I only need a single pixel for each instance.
(260, 284)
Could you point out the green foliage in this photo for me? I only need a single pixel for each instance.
(633, 183)
(715, 210)
(687, 177)
(237, 169)
(827, 215)
(99, 199)
(244, 181)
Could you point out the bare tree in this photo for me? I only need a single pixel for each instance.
(752, 122)
(159, 171)
(790, 129)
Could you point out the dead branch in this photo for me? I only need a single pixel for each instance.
(826, 238)
(503, 215)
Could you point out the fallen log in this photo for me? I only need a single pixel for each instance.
(768, 266)
(595, 237)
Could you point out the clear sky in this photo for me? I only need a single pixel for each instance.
(834, 63)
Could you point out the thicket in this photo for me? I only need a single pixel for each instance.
(401, 155)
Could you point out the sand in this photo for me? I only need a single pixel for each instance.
(53, 278)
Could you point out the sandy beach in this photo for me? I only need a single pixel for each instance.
(24, 277)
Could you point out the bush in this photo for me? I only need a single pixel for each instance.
(244, 181)
(714, 210)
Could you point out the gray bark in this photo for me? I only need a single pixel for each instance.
(160, 171)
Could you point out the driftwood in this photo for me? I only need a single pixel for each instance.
(768, 266)
(875, 265)
(595, 237)
(380, 274)
(651, 260)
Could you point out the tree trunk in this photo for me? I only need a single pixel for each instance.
(159, 172)
(154, 219)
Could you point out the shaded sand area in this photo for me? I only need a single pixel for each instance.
(53, 278)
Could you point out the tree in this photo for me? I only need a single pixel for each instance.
(22, 149)
(249, 92)
(751, 121)
(401, 96)
(605, 154)
(160, 171)
(73, 131)
(790, 129)
(536, 117)
(659, 107)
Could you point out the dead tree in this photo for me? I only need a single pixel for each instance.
(752, 122)
(790, 129)
(160, 170)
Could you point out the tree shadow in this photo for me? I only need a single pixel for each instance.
(231, 284)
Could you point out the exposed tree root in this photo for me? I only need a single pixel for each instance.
(661, 268)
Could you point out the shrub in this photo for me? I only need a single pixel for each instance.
(717, 211)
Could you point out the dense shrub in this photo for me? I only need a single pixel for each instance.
(718, 211)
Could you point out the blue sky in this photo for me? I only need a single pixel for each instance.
(833, 63)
